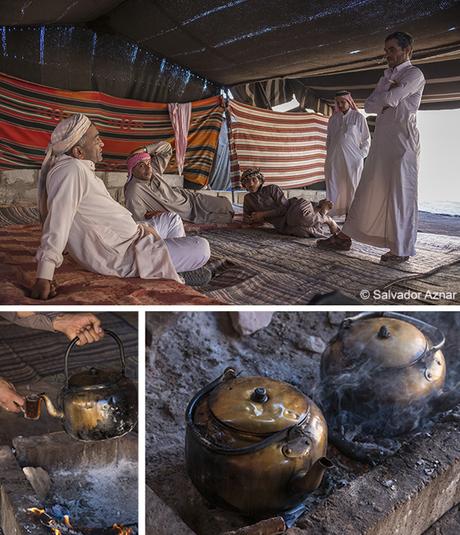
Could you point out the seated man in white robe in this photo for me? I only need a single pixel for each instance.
(384, 211)
(147, 190)
(78, 214)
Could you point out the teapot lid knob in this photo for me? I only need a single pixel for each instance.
(384, 332)
(259, 395)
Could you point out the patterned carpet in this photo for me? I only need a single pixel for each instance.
(250, 266)
(262, 267)
(76, 286)
(18, 215)
(27, 355)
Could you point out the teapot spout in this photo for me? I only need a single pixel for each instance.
(33, 407)
(308, 481)
(52, 411)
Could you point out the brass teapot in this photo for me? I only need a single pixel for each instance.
(97, 404)
(383, 360)
(254, 444)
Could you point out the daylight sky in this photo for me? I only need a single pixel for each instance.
(439, 177)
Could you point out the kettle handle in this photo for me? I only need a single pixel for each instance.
(437, 337)
(75, 340)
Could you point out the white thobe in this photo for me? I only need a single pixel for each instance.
(187, 252)
(384, 212)
(157, 195)
(97, 231)
(348, 141)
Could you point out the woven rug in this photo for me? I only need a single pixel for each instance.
(261, 267)
(251, 266)
(28, 215)
(28, 355)
(18, 215)
(76, 286)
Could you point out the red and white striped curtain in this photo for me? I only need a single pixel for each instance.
(289, 148)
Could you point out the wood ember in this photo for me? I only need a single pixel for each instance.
(446, 401)
(39, 479)
(271, 526)
(64, 527)
(368, 453)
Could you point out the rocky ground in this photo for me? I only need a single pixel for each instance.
(188, 350)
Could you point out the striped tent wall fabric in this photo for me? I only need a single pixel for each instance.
(270, 93)
(29, 112)
(289, 148)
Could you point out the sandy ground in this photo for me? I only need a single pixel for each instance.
(439, 224)
(188, 351)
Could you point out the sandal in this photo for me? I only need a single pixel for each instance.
(390, 257)
(334, 243)
(198, 277)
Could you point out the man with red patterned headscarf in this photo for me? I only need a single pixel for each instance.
(148, 191)
(348, 142)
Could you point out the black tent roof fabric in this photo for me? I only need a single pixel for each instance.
(327, 44)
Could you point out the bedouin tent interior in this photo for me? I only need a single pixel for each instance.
(122, 62)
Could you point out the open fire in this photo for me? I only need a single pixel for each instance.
(64, 526)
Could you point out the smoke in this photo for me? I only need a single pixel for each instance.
(371, 409)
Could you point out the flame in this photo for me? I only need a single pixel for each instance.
(48, 521)
(51, 523)
(121, 530)
(36, 510)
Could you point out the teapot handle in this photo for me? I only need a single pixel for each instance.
(437, 337)
(75, 340)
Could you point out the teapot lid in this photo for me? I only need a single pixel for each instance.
(388, 342)
(258, 405)
(94, 378)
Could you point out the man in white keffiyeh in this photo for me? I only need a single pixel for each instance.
(67, 134)
(78, 214)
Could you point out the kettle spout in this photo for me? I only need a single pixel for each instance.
(308, 481)
(33, 407)
(52, 411)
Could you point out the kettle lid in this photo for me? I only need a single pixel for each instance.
(258, 405)
(387, 342)
(94, 378)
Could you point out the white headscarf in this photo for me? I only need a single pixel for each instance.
(66, 135)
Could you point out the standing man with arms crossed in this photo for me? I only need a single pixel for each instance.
(384, 212)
